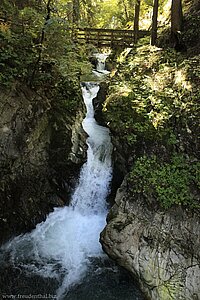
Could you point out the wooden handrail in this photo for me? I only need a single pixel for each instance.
(106, 30)
(108, 37)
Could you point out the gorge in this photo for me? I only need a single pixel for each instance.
(99, 174)
(65, 248)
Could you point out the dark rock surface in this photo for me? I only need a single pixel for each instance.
(98, 103)
(37, 172)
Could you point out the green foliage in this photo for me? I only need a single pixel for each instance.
(68, 96)
(38, 51)
(132, 122)
(153, 90)
(19, 36)
(14, 56)
(170, 183)
(120, 13)
(191, 26)
(153, 108)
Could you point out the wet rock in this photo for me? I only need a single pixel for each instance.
(98, 103)
(94, 61)
(78, 137)
(37, 172)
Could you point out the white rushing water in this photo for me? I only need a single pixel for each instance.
(64, 245)
(101, 62)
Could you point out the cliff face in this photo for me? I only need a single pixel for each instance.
(36, 168)
(159, 248)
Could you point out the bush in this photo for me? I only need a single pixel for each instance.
(175, 182)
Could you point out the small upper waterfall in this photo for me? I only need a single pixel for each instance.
(101, 64)
(63, 246)
(101, 57)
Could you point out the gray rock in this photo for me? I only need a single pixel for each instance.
(160, 248)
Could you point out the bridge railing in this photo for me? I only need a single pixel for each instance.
(106, 37)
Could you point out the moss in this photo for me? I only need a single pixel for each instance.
(166, 293)
(171, 289)
(153, 108)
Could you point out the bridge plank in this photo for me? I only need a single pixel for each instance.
(106, 37)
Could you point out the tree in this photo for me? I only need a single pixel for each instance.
(154, 22)
(136, 20)
(176, 24)
(40, 49)
(176, 16)
(76, 12)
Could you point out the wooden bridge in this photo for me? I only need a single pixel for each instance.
(107, 37)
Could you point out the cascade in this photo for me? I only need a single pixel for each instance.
(101, 58)
(66, 245)
(69, 238)
(101, 62)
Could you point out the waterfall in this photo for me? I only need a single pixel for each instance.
(64, 246)
(96, 173)
(100, 67)
(101, 61)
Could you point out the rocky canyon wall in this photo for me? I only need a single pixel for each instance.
(41, 148)
(160, 248)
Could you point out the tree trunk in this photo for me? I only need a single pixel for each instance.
(76, 12)
(154, 23)
(136, 20)
(176, 21)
